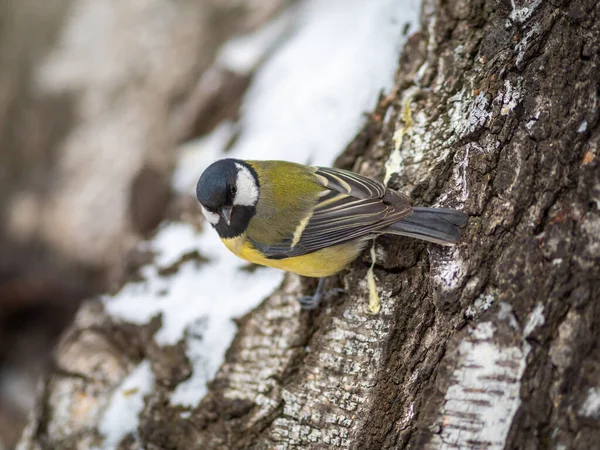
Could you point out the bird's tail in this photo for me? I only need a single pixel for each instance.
(439, 225)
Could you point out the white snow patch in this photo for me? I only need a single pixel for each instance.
(197, 155)
(305, 104)
(583, 126)
(242, 54)
(205, 347)
(219, 289)
(591, 405)
(121, 416)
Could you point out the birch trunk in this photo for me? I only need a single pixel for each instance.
(491, 344)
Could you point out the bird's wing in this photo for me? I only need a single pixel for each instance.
(350, 206)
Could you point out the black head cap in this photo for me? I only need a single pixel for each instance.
(228, 192)
(217, 184)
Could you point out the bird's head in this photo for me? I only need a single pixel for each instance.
(228, 192)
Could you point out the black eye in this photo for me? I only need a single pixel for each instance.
(233, 190)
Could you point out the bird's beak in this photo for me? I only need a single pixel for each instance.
(226, 214)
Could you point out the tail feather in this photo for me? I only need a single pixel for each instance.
(439, 225)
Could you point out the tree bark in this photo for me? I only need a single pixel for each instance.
(491, 344)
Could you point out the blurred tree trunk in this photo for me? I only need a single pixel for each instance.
(492, 344)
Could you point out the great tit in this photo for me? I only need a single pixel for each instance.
(312, 221)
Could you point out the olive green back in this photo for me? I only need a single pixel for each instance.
(288, 194)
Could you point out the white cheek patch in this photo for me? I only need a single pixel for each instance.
(247, 190)
(210, 216)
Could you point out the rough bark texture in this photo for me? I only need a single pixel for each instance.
(491, 344)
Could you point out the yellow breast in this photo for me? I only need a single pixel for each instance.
(321, 263)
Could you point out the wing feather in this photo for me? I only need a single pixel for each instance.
(351, 206)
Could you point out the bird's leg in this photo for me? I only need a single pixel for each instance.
(312, 301)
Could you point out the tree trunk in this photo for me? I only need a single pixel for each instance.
(490, 344)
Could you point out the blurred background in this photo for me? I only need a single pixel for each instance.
(94, 101)
(105, 106)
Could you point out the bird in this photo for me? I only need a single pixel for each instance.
(312, 221)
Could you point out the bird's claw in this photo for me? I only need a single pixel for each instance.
(309, 302)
